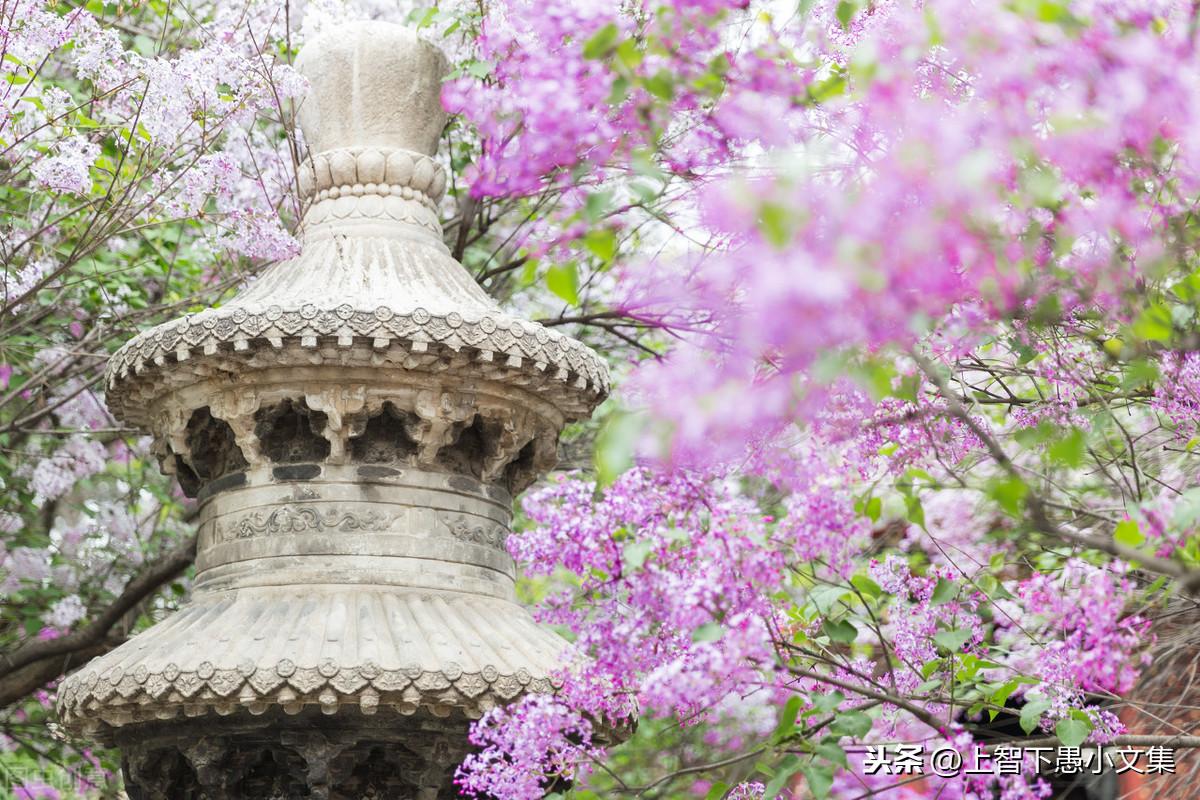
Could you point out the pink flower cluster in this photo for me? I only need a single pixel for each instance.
(1088, 641)
(561, 87)
(181, 106)
(526, 749)
(956, 174)
(670, 607)
(1177, 396)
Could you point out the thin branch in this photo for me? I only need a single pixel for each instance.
(137, 590)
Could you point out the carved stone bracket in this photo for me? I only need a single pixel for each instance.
(345, 416)
(442, 416)
(237, 409)
(170, 441)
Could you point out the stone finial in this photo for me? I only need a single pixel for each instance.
(373, 84)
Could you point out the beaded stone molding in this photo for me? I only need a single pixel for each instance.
(368, 170)
(357, 204)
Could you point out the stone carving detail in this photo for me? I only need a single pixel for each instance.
(345, 416)
(560, 359)
(400, 205)
(491, 535)
(300, 519)
(327, 686)
(237, 410)
(170, 443)
(445, 430)
(511, 433)
(374, 170)
(443, 416)
(402, 761)
(292, 432)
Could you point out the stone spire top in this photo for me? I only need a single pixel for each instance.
(353, 426)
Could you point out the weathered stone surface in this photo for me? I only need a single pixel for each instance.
(375, 285)
(354, 426)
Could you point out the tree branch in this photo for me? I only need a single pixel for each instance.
(20, 683)
(137, 590)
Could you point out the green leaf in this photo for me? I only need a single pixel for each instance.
(629, 54)
(831, 751)
(597, 204)
(661, 84)
(1069, 450)
(427, 18)
(1001, 695)
(620, 91)
(563, 280)
(601, 42)
(824, 597)
(1139, 373)
(915, 511)
(636, 552)
(867, 586)
(787, 768)
(953, 640)
(852, 723)
(1187, 509)
(643, 162)
(824, 703)
(1056, 12)
(602, 242)
(787, 718)
(1154, 324)
(708, 632)
(819, 777)
(615, 446)
(845, 13)
(717, 791)
(775, 221)
(1010, 493)
(1031, 714)
(1072, 732)
(873, 509)
(1128, 533)
(820, 91)
(842, 631)
(944, 592)
(481, 69)
(936, 36)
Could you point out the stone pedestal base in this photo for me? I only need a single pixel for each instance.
(279, 757)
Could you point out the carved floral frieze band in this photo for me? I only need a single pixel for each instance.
(491, 535)
(290, 519)
(300, 519)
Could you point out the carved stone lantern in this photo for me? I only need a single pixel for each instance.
(354, 427)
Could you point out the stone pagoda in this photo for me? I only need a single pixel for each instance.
(354, 427)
